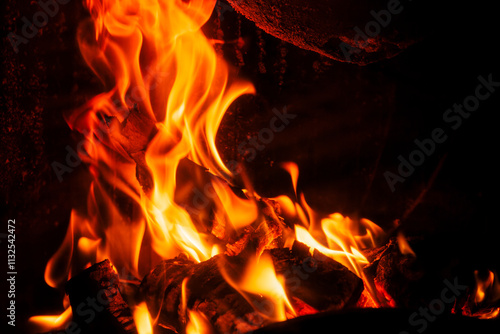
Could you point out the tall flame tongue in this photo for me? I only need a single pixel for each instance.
(167, 94)
(165, 80)
(163, 68)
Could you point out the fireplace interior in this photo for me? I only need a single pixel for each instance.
(372, 134)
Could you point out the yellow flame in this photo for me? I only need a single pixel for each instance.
(336, 236)
(286, 204)
(343, 245)
(260, 279)
(45, 323)
(142, 319)
(240, 212)
(198, 323)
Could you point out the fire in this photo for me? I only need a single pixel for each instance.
(239, 212)
(336, 236)
(198, 323)
(260, 279)
(487, 293)
(166, 94)
(154, 57)
(404, 246)
(483, 285)
(51, 322)
(80, 232)
(344, 246)
(165, 80)
(142, 319)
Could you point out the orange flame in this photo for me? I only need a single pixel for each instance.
(45, 323)
(198, 323)
(336, 236)
(154, 56)
(260, 279)
(487, 293)
(167, 92)
(404, 246)
(239, 212)
(142, 319)
(164, 78)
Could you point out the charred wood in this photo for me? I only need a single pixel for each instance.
(97, 303)
(318, 282)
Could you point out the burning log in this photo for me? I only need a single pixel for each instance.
(196, 194)
(398, 275)
(134, 135)
(316, 281)
(96, 301)
(266, 233)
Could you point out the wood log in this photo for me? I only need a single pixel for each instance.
(396, 275)
(96, 301)
(265, 233)
(319, 282)
(334, 28)
(134, 134)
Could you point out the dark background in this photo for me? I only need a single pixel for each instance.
(352, 123)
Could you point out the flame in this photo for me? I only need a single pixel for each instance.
(165, 81)
(260, 279)
(45, 323)
(293, 170)
(142, 319)
(198, 323)
(239, 212)
(166, 94)
(80, 232)
(404, 246)
(287, 205)
(157, 62)
(483, 285)
(336, 236)
(487, 294)
(489, 314)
